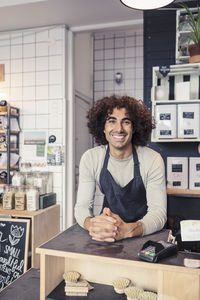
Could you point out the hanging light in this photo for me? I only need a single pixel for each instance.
(146, 4)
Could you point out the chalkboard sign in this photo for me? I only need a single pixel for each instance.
(14, 240)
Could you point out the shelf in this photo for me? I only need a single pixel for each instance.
(184, 32)
(6, 114)
(182, 192)
(100, 291)
(170, 115)
(11, 150)
(178, 69)
(27, 286)
(154, 140)
(175, 101)
(11, 168)
(184, 57)
(4, 131)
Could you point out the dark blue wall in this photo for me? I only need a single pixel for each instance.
(159, 50)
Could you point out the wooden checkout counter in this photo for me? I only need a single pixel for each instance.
(100, 263)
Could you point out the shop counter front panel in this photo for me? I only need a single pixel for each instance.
(100, 262)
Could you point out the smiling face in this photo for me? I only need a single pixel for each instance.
(118, 132)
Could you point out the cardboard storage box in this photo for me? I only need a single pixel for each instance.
(194, 173)
(177, 172)
(188, 120)
(165, 121)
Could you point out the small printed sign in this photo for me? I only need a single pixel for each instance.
(164, 70)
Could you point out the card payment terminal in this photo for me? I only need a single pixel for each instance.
(154, 251)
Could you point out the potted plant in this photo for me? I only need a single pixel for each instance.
(194, 36)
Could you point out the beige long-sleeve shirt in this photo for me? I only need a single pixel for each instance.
(153, 174)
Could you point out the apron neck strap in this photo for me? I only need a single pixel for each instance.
(135, 159)
(136, 163)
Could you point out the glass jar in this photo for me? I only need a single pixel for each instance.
(18, 179)
(184, 23)
(30, 179)
(26, 167)
(3, 177)
(32, 198)
(20, 198)
(48, 181)
(8, 197)
(183, 45)
(39, 182)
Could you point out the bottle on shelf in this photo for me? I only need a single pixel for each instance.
(18, 179)
(184, 23)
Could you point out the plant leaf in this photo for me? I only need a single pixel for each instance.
(194, 24)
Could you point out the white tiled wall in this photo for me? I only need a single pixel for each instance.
(117, 51)
(35, 82)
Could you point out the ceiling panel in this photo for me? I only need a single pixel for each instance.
(69, 12)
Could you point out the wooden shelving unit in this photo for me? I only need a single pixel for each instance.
(162, 107)
(182, 35)
(12, 112)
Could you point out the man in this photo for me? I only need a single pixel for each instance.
(130, 175)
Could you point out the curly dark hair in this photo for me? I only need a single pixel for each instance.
(138, 112)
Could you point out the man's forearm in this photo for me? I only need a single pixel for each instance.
(129, 230)
(133, 229)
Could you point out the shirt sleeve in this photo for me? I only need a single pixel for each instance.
(86, 190)
(156, 216)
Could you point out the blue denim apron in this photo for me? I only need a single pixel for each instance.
(129, 202)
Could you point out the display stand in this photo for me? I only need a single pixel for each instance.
(100, 263)
(45, 224)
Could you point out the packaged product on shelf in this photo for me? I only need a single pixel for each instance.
(32, 198)
(8, 197)
(166, 121)
(14, 158)
(14, 125)
(20, 198)
(3, 106)
(18, 179)
(3, 177)
(194, 171)
(188, 120)
(177, 172)
(3, 143)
